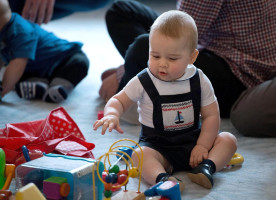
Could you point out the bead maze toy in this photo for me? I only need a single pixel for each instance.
(113, 174)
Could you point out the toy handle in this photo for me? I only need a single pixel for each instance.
(2, 167)
(10, 173)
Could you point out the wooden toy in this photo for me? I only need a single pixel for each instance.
(28, 192)
(56, 188)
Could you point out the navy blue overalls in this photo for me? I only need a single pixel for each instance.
(176, 120)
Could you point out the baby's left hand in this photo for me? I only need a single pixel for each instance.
(199, 153)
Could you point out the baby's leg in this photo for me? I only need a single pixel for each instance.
(153, 164)
(224, 148)
(221, 153)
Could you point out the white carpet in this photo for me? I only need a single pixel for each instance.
(255, 179)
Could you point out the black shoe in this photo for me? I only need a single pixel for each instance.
(172, 178)
(202, 176)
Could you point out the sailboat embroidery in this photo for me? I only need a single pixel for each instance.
(179, 119)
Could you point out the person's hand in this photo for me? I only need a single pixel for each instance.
(109, 87)
(38, 11)
(198, 154)
(109, 122)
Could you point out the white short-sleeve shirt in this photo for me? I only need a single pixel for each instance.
(135, 91)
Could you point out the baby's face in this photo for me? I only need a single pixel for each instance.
(168, 57)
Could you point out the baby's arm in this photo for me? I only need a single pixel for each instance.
(208, 134)
(113, 110)
(13, 73)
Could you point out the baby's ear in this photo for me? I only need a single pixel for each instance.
(194, 56)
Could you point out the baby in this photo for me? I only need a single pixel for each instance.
(177, 108)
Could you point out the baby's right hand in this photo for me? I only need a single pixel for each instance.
(109, 121)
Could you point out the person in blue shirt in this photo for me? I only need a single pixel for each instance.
(38, 64)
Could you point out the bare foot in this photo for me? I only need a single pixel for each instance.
(109, 87)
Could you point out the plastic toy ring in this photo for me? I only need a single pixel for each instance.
(237, 159)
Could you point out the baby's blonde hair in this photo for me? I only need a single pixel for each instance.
(176, 24)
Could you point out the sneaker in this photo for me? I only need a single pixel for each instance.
(55, 94)
(201, 175)
(31, 90)
(172, 178)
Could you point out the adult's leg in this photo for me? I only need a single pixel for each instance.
(126, 20)
(254, 113)
(136, 59)
(226, 86)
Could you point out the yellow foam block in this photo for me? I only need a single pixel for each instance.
(28, 192)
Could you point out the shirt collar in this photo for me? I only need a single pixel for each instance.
(190, 72)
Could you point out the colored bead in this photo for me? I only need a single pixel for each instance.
(108, 178)
(133, 172)
(107, 193)
(122, 178)
(114, 169)
(107, 186)
(123, 171)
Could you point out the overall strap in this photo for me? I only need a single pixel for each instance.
(154, 97)
(148, 85)
(196, 93)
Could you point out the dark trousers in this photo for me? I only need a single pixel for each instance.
(73, 68)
